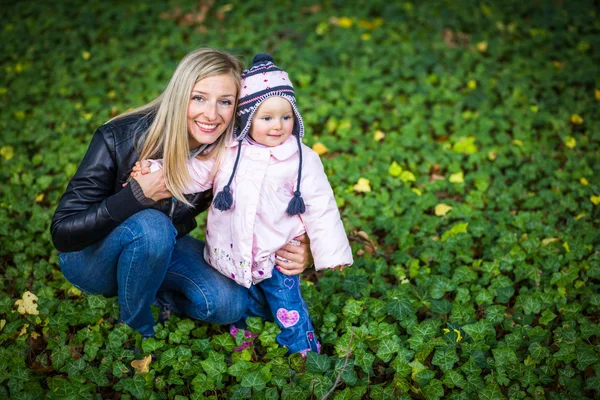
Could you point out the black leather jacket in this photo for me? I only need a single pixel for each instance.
(95, 203)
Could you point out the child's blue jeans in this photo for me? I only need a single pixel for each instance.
(279, 298)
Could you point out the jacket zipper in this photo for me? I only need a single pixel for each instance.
(173, 202)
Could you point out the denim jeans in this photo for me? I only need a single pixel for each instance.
(279, 298)
(141, 262)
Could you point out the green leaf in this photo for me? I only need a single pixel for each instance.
(454, 379)
(433, 390)
(317, 363)
(445, 358)
(387, 348)
(586, 356)
(202, 383)
(538, 352)
(135, 386)
(257, 379)
(214, 365)
(364, 360)
(479, 330)
(455, 230)
(399, 308)
(150, 345)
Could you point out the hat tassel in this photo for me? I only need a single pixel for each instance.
(296, 205)
(224, 200)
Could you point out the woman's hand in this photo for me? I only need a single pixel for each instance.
(153, 185)
(293, 259)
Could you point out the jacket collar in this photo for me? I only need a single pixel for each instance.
(282, 152)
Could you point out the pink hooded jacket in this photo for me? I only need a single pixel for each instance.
(241, 242)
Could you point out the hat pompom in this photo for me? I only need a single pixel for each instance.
(262, 58)
(223, 200)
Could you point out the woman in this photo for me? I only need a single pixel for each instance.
(132, 241)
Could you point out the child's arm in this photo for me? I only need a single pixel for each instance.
(328, 240)
(199, 170)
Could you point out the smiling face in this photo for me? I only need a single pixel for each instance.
(210, 109)
(273, 122)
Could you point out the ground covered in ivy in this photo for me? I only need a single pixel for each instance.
(462, 140)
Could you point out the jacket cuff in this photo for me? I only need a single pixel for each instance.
(124, 204)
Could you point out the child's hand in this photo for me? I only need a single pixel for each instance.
(140, 168)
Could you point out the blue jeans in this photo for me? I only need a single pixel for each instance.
(141, 262)
(279, 298)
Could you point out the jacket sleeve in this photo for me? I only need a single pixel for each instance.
(200, 172)
(328, 240)
(91, 208)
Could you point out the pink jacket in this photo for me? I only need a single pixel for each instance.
(241, 242)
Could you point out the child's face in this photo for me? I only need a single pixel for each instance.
(273, 122)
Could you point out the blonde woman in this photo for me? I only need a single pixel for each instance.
(132, 240)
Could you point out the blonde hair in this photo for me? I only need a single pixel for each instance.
(167, 135)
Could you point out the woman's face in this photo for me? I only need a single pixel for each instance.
(211, 109)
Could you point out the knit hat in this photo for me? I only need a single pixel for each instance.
(260, 82)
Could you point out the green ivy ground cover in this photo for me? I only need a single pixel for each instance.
(462, 140)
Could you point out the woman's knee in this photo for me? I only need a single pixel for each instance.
(151, 230)
(82, 279)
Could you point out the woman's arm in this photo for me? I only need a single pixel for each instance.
(91, 208)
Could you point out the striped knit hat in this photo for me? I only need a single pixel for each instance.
(260, 82)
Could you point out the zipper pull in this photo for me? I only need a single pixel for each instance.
(173, 202)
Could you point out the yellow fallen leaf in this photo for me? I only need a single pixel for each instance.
(24, 330)
(86, 55)
(395, 169)
(39, 197)
(576, 119)
(28, 304)
(547, 241)
(442, 209)
(482, 47)
(566, 246)
(35, 335)
(7, 152)
(578, 217)
(379, 135)
(534, 109)
(458, 177)
(2, 323)
(570, 142)
(459, 337)
(595, 200)
(320, 148)
(472, 84)
(446, 330)
(362, 186)
(517, 142)
(416, 191)
(142, 366)
(365, 36)
(598, 94)
(407, 176)
(492, 155)
(584, 181)
(88, 116)
(344, 22)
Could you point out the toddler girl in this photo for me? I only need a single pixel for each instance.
(270, 188)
